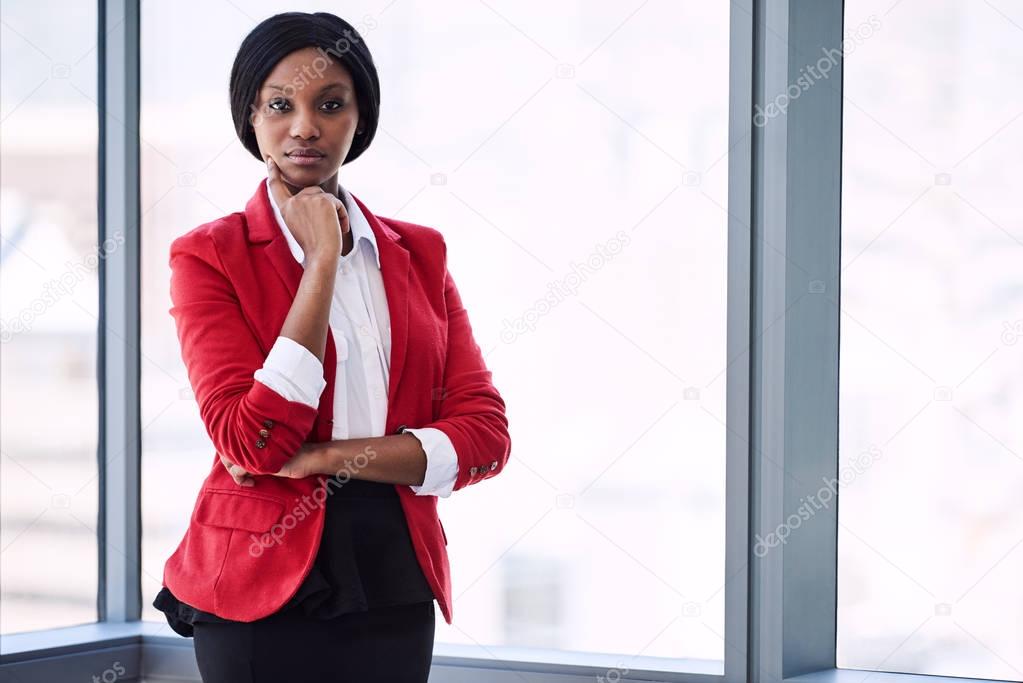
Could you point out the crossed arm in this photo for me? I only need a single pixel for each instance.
(395, 459)
(222, 355)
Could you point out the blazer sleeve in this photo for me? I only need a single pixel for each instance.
(472, 412)
(247, 421)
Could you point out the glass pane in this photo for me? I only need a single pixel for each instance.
(930, 557)
(575, 157)
(49, 307)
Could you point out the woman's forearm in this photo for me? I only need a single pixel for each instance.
(310, 311)
(395, 459)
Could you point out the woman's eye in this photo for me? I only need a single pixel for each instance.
(281, 105)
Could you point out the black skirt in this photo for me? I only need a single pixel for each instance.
(383, 645)
(365, 561)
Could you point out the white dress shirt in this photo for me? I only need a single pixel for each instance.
(361, 327)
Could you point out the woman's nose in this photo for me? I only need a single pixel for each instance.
(303, 126)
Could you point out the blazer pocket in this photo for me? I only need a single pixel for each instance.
(238, 510)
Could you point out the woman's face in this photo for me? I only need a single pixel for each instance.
(305, 116)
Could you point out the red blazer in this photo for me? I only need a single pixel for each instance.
(233, 280)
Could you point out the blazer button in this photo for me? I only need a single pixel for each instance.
(260, 443)
(493, 465)
(268, 423)
(473, 471)
(264, 433)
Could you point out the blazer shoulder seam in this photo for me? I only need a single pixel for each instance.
(206, 237)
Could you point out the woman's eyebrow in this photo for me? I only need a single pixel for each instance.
(329, 86)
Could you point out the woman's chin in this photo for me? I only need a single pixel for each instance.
(303, 176)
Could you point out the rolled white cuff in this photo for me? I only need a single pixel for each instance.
(293, 371)
(441, 462)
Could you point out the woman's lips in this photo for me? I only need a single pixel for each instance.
(305, 159)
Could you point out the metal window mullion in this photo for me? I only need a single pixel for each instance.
(737, 437)
(119, 537)
(796, 181)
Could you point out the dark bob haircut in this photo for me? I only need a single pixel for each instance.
(280, 35)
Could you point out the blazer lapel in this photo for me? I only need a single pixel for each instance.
(263, 229)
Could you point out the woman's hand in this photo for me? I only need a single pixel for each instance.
(317, 219)
(240, 476)
(310, 459)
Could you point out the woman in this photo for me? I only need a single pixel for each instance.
(314, 334)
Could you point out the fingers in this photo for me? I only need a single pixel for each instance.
(342, 215)
(339, 206)
(281, 193)
(240, 476)
(276, 182)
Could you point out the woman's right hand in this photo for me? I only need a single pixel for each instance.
(316, 218)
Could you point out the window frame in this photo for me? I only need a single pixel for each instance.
(782, 381)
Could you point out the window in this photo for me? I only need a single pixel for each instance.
(560, 159)
(601, 187)
(643, 204)
(49, 306)
(930, 553)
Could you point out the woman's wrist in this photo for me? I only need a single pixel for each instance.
(326, 458)
(321, 263)
(337, 460)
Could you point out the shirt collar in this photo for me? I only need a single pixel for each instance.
(360, 227)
